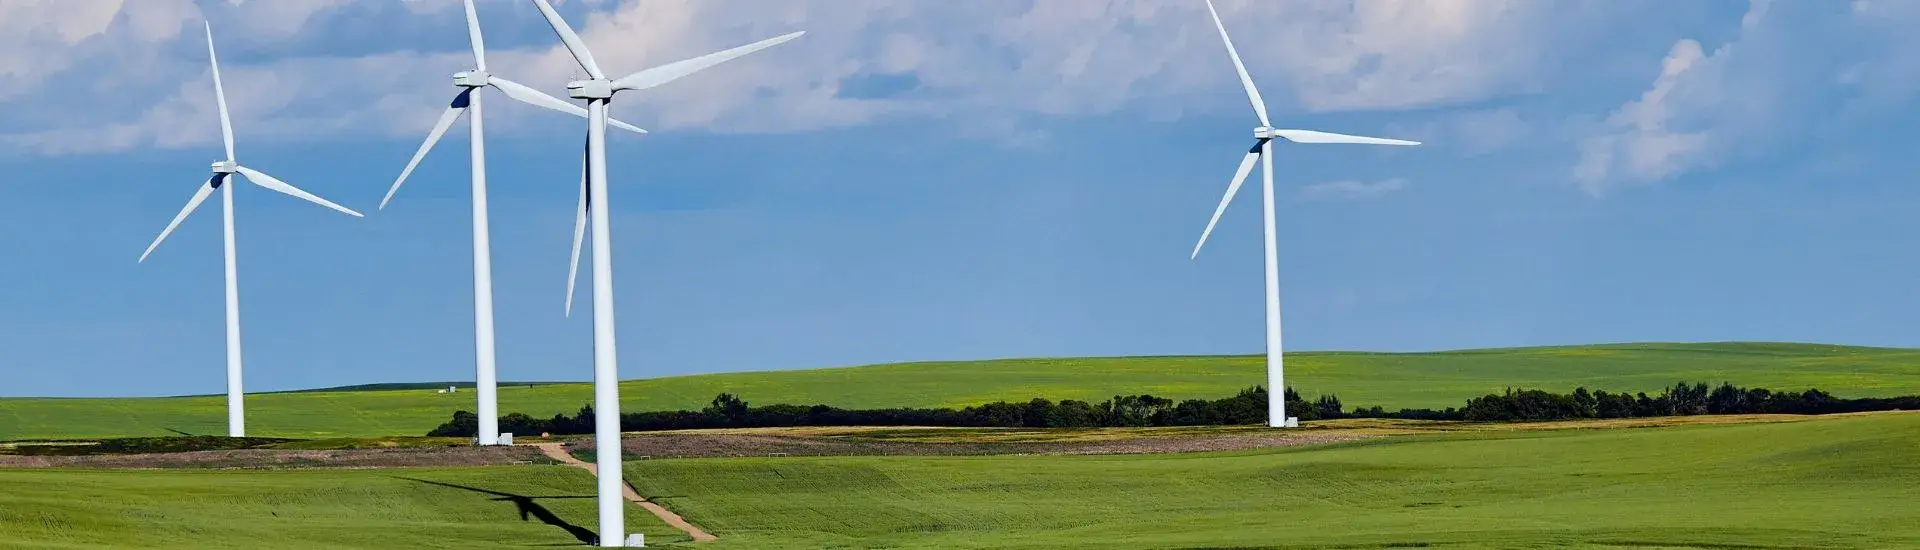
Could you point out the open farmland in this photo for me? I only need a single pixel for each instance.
(1760, 481)
(1439, 379)
(1833, 482)
(381, 508)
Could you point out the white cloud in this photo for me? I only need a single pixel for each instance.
(971, 60)
(343, 69)
(1352, 190)
(1774, 85)
(1642, 144)
(40, 38)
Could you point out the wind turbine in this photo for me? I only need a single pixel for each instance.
(223, 171)
(598, 90)
(485, 383)
(1262, 150)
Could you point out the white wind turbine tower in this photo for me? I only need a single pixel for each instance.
(1263, 151)
(598, 90)
(485, 383)
(223, 171)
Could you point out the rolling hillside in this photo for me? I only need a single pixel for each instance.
(1836, 481)
(1842, 481)
(1394, 380)
(486, 507)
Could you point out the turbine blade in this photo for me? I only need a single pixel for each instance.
(530, 96)
(579, 233)
(473, 36)
(571, 40)
(624, 126)
(673, 71)
(199, 196)
(1239, 176)
(1311, 136)
(1253, 94)
(453, 113)
(220, 95)
(262, 179)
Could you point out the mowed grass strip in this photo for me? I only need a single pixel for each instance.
(1835, 482)
(393, 508)
(1393, 380)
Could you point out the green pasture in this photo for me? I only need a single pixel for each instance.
(1843, 481)
(1832, 482)
(1394, 380)
(394, 508)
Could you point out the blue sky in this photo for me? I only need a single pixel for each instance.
(922, 180)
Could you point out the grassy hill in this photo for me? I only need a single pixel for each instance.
(1832, 482)
(396, 508)
(1394, 380)
(1842, 481)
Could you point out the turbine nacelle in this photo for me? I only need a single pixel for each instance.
(226, 167)
(472, 79)
(1263, 132)
(598, 88)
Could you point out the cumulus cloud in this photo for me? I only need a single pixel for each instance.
(953, 61)
(1643, 143)
(41, 38)
(1772, 85)
(98, 76)
(1352, 190)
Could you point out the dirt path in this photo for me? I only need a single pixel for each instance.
(557, 452)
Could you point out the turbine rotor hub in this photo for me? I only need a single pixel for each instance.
(471, 79)
(590, 89)
(226, 167)
(1264, 132)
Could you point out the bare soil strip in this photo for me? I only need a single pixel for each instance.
(557, 452)
(854, 441)
(775, 443)
(270, 459)
(733, 443)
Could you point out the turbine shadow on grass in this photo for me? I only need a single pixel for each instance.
(527, 508)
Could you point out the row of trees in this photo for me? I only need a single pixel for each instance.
(729, 411)
(1247, 407)
(1679, 400)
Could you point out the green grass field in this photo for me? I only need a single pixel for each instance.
(1393, 380)
(305, 509)
(1843, 481)
(1833, 482)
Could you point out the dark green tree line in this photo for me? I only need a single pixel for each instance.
(1247, 407)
